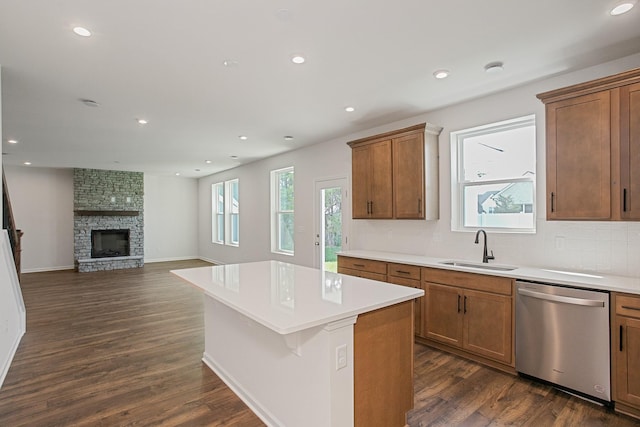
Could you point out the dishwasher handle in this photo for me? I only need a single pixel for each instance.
(562, 299)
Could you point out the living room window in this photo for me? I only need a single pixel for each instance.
(493, 177)
(232, 202)
(217, 202)
(282, 211)
(225, 224)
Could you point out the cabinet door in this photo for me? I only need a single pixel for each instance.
(408, 176)
(487, 325)
(417, 302)
(630, 151)
(627, 354)
(360, 170)
(443, 309)
(381, 190)
(579, 158)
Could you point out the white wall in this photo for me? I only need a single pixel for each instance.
(170, 218)
(42, 202)
(330, 160)
(608, 247)
(12, 312)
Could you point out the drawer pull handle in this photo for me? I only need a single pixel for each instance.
(626, 307)
(359, 265)
(403, 272)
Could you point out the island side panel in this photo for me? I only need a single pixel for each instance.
(383, 366)
(290, 381)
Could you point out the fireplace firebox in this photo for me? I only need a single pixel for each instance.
(109, 243)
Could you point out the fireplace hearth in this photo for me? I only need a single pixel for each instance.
(109, 243)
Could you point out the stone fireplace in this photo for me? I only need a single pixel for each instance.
(108, 219)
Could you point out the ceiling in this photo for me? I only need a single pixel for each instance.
(164, 61)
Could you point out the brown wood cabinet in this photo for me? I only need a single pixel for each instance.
(408, 176)
(592, 143)
(625, 348)
(470, 312)
(390, 173)
(372, 181)
(409, 275)
(630, 150)
(366, 268)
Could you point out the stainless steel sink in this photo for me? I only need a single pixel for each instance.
(477, 265)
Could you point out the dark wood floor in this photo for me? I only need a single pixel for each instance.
(124, 348)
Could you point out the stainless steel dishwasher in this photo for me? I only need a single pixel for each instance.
(562, 337)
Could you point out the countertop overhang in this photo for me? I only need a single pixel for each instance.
(288, 298)
(587, 280)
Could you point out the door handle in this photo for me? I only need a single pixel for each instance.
(562, 299)
(458, 303)
(621, 329)
(624, 200)
(552, 207)
(465, 304)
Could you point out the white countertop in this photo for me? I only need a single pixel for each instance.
(289, 298)
(552, 275)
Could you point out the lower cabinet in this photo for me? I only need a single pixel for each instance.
(466, 313)
(366, 268)
(625, 350)
(409, 275)
(470, 312)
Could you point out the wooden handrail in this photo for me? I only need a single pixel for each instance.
(8, 223)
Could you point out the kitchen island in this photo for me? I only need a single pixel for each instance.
(305, 347)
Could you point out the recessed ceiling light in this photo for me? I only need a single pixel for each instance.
(177, 173)
(234, 157)
(349, 109)
(229, 63)
(82, 32)
(208, 162)
(298, 59)
(142, 121)
(288, 138)
(197, 170)
(12, 141)
(623, 7)
(494, 67)
(27, 163)
(441, 74)
(243, 137)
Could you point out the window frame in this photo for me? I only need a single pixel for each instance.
(458, 183)
(229, 212)
(217, 228)
(222, 231)
(276, 212)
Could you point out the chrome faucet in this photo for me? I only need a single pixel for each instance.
(485, 256)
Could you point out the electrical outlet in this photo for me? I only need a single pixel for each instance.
(341, 357)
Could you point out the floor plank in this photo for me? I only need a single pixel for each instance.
(124, 348)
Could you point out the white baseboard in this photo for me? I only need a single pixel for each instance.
(43, 269)
(262, 413)
(178, 258)
(212, 261)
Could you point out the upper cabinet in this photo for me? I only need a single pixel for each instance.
(395, 175)
(592, 143)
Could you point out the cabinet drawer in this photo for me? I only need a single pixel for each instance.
(371, 266)
(403, 270)
(627, 305)
(479, 282)
(363, 274)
